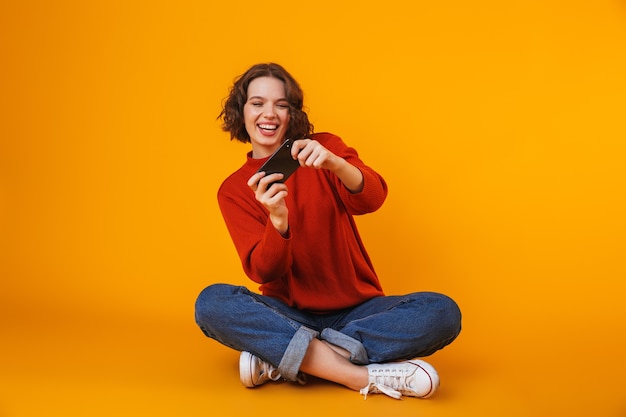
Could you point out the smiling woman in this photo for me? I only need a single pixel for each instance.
(497, 125)
(269, 82)
(266, 115)
(322, 310)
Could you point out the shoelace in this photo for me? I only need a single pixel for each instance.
(272, 373)
(374, 387)
(388, 381)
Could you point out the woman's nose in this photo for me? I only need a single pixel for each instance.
(269, 112)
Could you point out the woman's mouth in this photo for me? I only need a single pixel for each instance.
(267, 129)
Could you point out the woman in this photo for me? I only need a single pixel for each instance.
(322, 310)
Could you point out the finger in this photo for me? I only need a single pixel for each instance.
(270, 179)
(254, 180)
(305, 154)
(298, 146)
(322, 156)
(273, 196)
(313, 158)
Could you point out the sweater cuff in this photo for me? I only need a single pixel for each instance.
(275, 244)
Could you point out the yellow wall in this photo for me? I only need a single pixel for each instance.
(499, 127)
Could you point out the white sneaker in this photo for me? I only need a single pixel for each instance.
(254, 372)
(412, 378)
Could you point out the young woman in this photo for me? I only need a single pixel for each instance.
(322, 310)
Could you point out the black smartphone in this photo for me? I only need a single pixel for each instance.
(281, 161)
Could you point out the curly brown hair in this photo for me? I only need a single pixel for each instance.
(232, 111)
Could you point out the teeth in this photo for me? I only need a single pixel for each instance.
(268, 127)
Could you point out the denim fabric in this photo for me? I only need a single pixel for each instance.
(380, 330)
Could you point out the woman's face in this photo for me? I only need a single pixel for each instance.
(266, 115)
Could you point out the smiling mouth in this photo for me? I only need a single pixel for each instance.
(268, 127)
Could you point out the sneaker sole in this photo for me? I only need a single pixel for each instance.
(245, 369)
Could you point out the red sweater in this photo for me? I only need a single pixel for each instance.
(322, 264)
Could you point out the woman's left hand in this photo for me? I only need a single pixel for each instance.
(310, 153)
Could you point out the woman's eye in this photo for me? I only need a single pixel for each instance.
(283, 106)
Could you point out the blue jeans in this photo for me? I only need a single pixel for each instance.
(379, 330)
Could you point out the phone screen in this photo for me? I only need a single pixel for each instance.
(281, 162)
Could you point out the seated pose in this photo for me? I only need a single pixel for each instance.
(321, 310)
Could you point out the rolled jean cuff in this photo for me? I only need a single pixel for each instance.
(358, 354)
(289, 365)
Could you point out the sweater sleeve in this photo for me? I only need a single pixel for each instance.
(264, 253)
(374, 191)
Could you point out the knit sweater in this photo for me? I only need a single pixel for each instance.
(321, 264)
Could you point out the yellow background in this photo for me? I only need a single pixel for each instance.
(499, 127)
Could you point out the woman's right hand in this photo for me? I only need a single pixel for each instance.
(272, 195)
